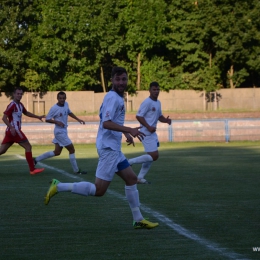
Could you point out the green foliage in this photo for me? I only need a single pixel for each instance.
(182, 44)
(15, 16)
(158, 70)
(32, 81)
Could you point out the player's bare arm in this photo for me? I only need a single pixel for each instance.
(129, 139)
(76, 118)
(6, 121)
(165, 120)
(142, 121)
(124, 129)
(29, 114)
(56, 122)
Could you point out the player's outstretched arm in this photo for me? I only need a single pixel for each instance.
(165, 120)
(143, 122)
(124, 129)
(29, 114)
(76, 118)
(129, 139)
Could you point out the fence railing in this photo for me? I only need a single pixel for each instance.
(210, 130)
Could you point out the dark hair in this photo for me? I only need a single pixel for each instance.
(118, 71)
(61, 93)
(154, 84)
(17, 88)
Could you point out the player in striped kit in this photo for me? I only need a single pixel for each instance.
(13, 119)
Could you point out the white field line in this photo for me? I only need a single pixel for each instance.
(11, 165)
(160, 217)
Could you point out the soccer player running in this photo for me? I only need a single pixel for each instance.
(58, 115)
(13, 119)
(111, 159)
(148, 115)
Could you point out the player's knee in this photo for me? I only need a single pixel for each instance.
(99, 192)
(156, 157)
(57, 153)
(28, 148)
(131, 180)
(71, 150)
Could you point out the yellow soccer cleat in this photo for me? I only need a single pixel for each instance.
(144, 224)
(52, 191)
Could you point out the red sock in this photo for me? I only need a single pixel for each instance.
(29, 159)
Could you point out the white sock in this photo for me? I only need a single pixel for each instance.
(145, 168)
(84, 188)
(73, 162)
(141, 159)
(61, 187)
(132, 196)
(44, 156)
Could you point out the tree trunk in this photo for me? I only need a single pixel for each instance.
(231, 73)
(102, 79)
(138, 80)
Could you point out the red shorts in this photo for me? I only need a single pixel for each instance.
(20, 137)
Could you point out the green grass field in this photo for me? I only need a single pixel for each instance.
(204, 195)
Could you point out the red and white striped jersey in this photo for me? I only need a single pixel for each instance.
(14, 113)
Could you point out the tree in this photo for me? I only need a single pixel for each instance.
(144, 23)
(15, 16)
(232, 37)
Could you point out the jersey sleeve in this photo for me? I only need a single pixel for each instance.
(109, 107)
(9, 110)
(24, 109)
(160, 109)
(69, 111)
(143, 109)
(51, 114)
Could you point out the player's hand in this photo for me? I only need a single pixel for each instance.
(82, 122)
(136, 133)
(129, 139)
(59, 123)
(168, 120)
(13, 131)
(41, 117)
(151, 129)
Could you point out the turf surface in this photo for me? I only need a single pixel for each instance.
(204, 195)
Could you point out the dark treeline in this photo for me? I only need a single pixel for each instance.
(49, 45)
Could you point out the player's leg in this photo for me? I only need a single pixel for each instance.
(7, 142)
(150, 145)
(29, 158)
(140, 159)
(57, 151)
(104, 174)
(73, 160)
(132, 195)
(4, 147)
(146, 167)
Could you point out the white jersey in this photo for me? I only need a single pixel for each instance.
(60, 114)
(112, 108)
(151, 111)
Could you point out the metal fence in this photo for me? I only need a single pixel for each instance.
(215, 130)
